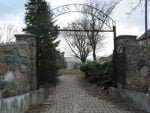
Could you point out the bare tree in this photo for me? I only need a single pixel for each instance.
(91, 22)
(7, 31)
(77, 43)
(82, 43)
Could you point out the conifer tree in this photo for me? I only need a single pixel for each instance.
(38, 20)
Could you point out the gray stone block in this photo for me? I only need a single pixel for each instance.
(37, 96)
(17, 104)
(136, 99)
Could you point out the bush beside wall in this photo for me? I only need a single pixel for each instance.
(99, 74)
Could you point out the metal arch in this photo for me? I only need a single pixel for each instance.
(99, 15)
(80, 8)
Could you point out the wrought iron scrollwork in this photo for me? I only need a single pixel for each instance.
(100, 15)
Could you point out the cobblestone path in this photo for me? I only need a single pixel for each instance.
(69, 97)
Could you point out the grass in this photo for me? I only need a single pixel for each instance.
(70, 72)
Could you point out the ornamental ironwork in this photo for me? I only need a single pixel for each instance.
(100, 15)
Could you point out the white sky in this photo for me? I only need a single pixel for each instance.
(13, 11)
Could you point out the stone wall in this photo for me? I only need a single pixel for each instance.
(18, 66)
(138, 68)
(21, 103)
(133, 73)
(122, 42)
(133, 65)
(31, 40)
(136, 99)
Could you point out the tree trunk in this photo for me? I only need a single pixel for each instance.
(94, 56)
(83, 60)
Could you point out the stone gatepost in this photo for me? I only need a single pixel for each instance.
(31, 40)
(124, 40)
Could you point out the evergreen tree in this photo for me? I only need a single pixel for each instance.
(39, 21)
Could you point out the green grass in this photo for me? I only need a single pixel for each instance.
(70, 72)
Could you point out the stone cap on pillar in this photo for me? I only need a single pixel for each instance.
(132, 37)
(25, 37)
(126, 40)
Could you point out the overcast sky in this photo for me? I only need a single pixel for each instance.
(13, 11)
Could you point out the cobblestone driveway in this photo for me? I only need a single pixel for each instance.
(69, 97)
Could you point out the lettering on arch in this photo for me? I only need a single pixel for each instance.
(100, 15)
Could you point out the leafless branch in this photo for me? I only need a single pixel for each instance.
(91, 22)
(135, 7)
(7, 31)
(77, 42)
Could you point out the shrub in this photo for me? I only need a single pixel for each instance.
(90, 69)
(90, 66)
(98, 73)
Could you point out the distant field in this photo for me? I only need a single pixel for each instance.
(70, 72)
